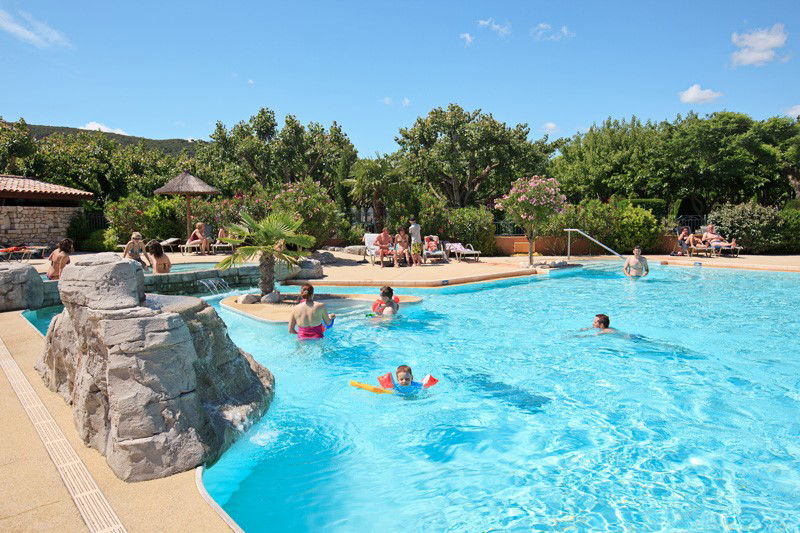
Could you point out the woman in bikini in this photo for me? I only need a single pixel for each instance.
(636, 266)
(309, 316)
(135, 250)
(158, 259)
(401, 247)
(59, 259)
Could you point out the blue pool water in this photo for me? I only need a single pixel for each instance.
(180, 267)
(690, 422)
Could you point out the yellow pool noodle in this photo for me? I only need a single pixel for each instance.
(371, 388)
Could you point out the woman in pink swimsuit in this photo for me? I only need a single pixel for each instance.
(309, 317)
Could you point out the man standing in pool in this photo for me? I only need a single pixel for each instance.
(309, 316)
(636, 266)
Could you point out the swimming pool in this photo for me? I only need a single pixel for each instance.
(692, 423)
(178, 267)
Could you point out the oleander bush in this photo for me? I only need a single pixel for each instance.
(472, 225)
(756, 228)
(309, 200)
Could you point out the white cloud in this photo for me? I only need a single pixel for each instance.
(467, 38)
(406, 101)
(696, 95)
(250, 83)
(31, 31)
(96, 126)
(499, 29)
(793, 111)
(757, 47)
(550, 127)
(387, 100)
(545, 32)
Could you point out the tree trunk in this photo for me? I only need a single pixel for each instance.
(266, 264)
(530, 234)
(377, 211)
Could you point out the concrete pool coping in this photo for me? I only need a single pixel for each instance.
(280, 313)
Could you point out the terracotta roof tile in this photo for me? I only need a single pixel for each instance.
(21, 187)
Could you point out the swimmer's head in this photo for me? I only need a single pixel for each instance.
(637, 250)
(404, 375)
(387, 293)
(307, 291)
(601, 321)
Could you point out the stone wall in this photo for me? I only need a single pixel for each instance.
(23, 224)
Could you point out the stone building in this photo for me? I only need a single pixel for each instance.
(33, 212)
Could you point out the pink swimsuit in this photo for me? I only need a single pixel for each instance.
(314, 332)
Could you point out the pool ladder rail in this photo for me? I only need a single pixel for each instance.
(569, 242)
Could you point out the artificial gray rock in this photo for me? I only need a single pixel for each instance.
(21, 287)
(356, 249)
(309, 269)
(325, 258)
(272, 298)
(284, 270)
(247, 299)
(155, 384)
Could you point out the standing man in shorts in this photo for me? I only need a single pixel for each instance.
(416, 242)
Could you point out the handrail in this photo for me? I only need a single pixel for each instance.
(569, 242)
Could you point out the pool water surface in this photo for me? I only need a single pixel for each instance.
(689, 421)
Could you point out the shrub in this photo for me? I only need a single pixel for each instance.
(309, 200)
(790, 231)
(217, 211)
(95, 242)
(792, 204)
(618, 225)
(433, 215)
(472, 225)
(155, 218)
(354, 235)
(755, 227)
(657, 206)
(79, 228)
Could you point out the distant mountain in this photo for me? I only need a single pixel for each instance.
(168, 146)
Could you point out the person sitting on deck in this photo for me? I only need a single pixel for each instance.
(135, 250)
(401, 247)
(712, 238)
(158, 259)
(59, 259)
(309, 316)
(383, 241)
(198, 238)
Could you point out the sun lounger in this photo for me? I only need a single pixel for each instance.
(187, 248)
(23, 253)
(438, 254)
(462, 252)
(170, 243)
(224, 246)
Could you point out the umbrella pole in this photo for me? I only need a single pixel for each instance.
(188, 216)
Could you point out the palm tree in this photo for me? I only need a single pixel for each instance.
(266, 239)
(370, 182)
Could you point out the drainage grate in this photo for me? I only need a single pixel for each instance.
(90, 501)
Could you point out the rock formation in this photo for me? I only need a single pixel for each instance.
(155, 383)
(21, 287)
(309, 269)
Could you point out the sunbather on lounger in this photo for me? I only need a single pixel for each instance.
(383, 241)
(711, 238)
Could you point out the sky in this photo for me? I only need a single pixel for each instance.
(173, 69)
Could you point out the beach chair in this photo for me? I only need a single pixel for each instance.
(187, 248)
(23, 253)
(370, 250)
(439, 254)
(170, 243)
(224, 246)
(733, 251)
(462, 252)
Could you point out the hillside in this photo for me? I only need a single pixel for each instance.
(168, 146)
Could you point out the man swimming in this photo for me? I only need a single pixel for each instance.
(309, 316)
(636, 266)
(602, 322)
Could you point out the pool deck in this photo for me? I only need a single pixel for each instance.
(33, 496)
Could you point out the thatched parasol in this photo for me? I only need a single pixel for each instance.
(188, 186)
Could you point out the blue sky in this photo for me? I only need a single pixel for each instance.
(172, 69)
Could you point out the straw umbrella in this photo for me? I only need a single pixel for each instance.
(187, 185)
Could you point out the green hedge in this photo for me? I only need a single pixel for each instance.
(472, 225)
(757, 228)
(157, 217)
(656, 206)
(790, 230)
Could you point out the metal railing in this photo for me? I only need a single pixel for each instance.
(569, 242)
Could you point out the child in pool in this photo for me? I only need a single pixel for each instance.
(405, 383)
(386, 305)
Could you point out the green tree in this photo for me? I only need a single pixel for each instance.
(268, 239)
(468, 157)
(16, 142)
(370, 182)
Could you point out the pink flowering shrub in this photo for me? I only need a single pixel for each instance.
(309, 200)
(530, 203)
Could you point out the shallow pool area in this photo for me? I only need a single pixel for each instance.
(688, 421)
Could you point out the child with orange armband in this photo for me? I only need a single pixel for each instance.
(405, 381)
(388, 304)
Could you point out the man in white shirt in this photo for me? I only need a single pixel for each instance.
(416, 242)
